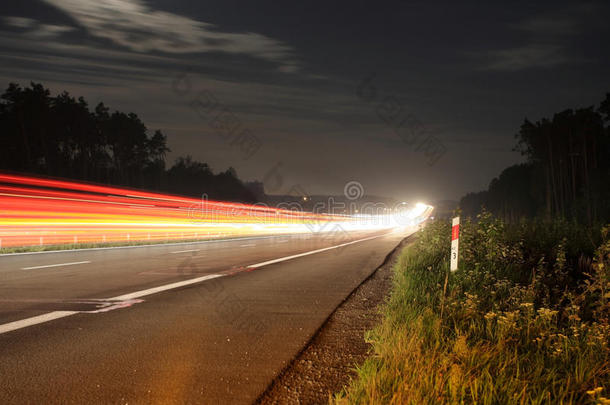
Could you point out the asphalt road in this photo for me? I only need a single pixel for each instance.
(207, 323)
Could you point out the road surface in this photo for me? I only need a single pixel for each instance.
(207, 322)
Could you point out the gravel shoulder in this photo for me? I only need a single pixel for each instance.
(328, 362)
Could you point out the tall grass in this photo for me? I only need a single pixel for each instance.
(525, 319)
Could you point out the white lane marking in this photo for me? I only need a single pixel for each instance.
(282, 259)
(138, 294)
(248, 244)
(185, 251)
(23, 323)
(281, 241)
(55, 265)
(171, 286)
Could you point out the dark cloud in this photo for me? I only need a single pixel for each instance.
(470, 73)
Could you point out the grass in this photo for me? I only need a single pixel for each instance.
(72, 246)
(525, 319)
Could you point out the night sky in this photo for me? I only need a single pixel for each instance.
(291, 74)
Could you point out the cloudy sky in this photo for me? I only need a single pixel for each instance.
(413, 100)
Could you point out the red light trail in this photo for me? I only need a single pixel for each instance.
(35, 211)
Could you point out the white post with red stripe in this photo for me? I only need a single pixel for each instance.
(455, 238)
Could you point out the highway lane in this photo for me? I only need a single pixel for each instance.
(219, 341)
(33, 284)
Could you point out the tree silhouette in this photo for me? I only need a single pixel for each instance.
(567, 173)
(61, 136)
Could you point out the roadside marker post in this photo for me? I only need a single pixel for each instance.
(455, 238)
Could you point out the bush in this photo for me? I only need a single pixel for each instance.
(525, 319)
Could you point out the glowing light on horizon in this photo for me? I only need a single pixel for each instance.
(35, 211)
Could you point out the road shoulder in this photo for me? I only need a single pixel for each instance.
(327, 363)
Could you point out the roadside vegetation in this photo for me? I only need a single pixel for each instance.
(565, 174)
(525, 319)
(73, 246)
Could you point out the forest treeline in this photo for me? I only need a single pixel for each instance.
(61, 136)
(566, 173)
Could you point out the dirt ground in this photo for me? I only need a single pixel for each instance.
(327, 363)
